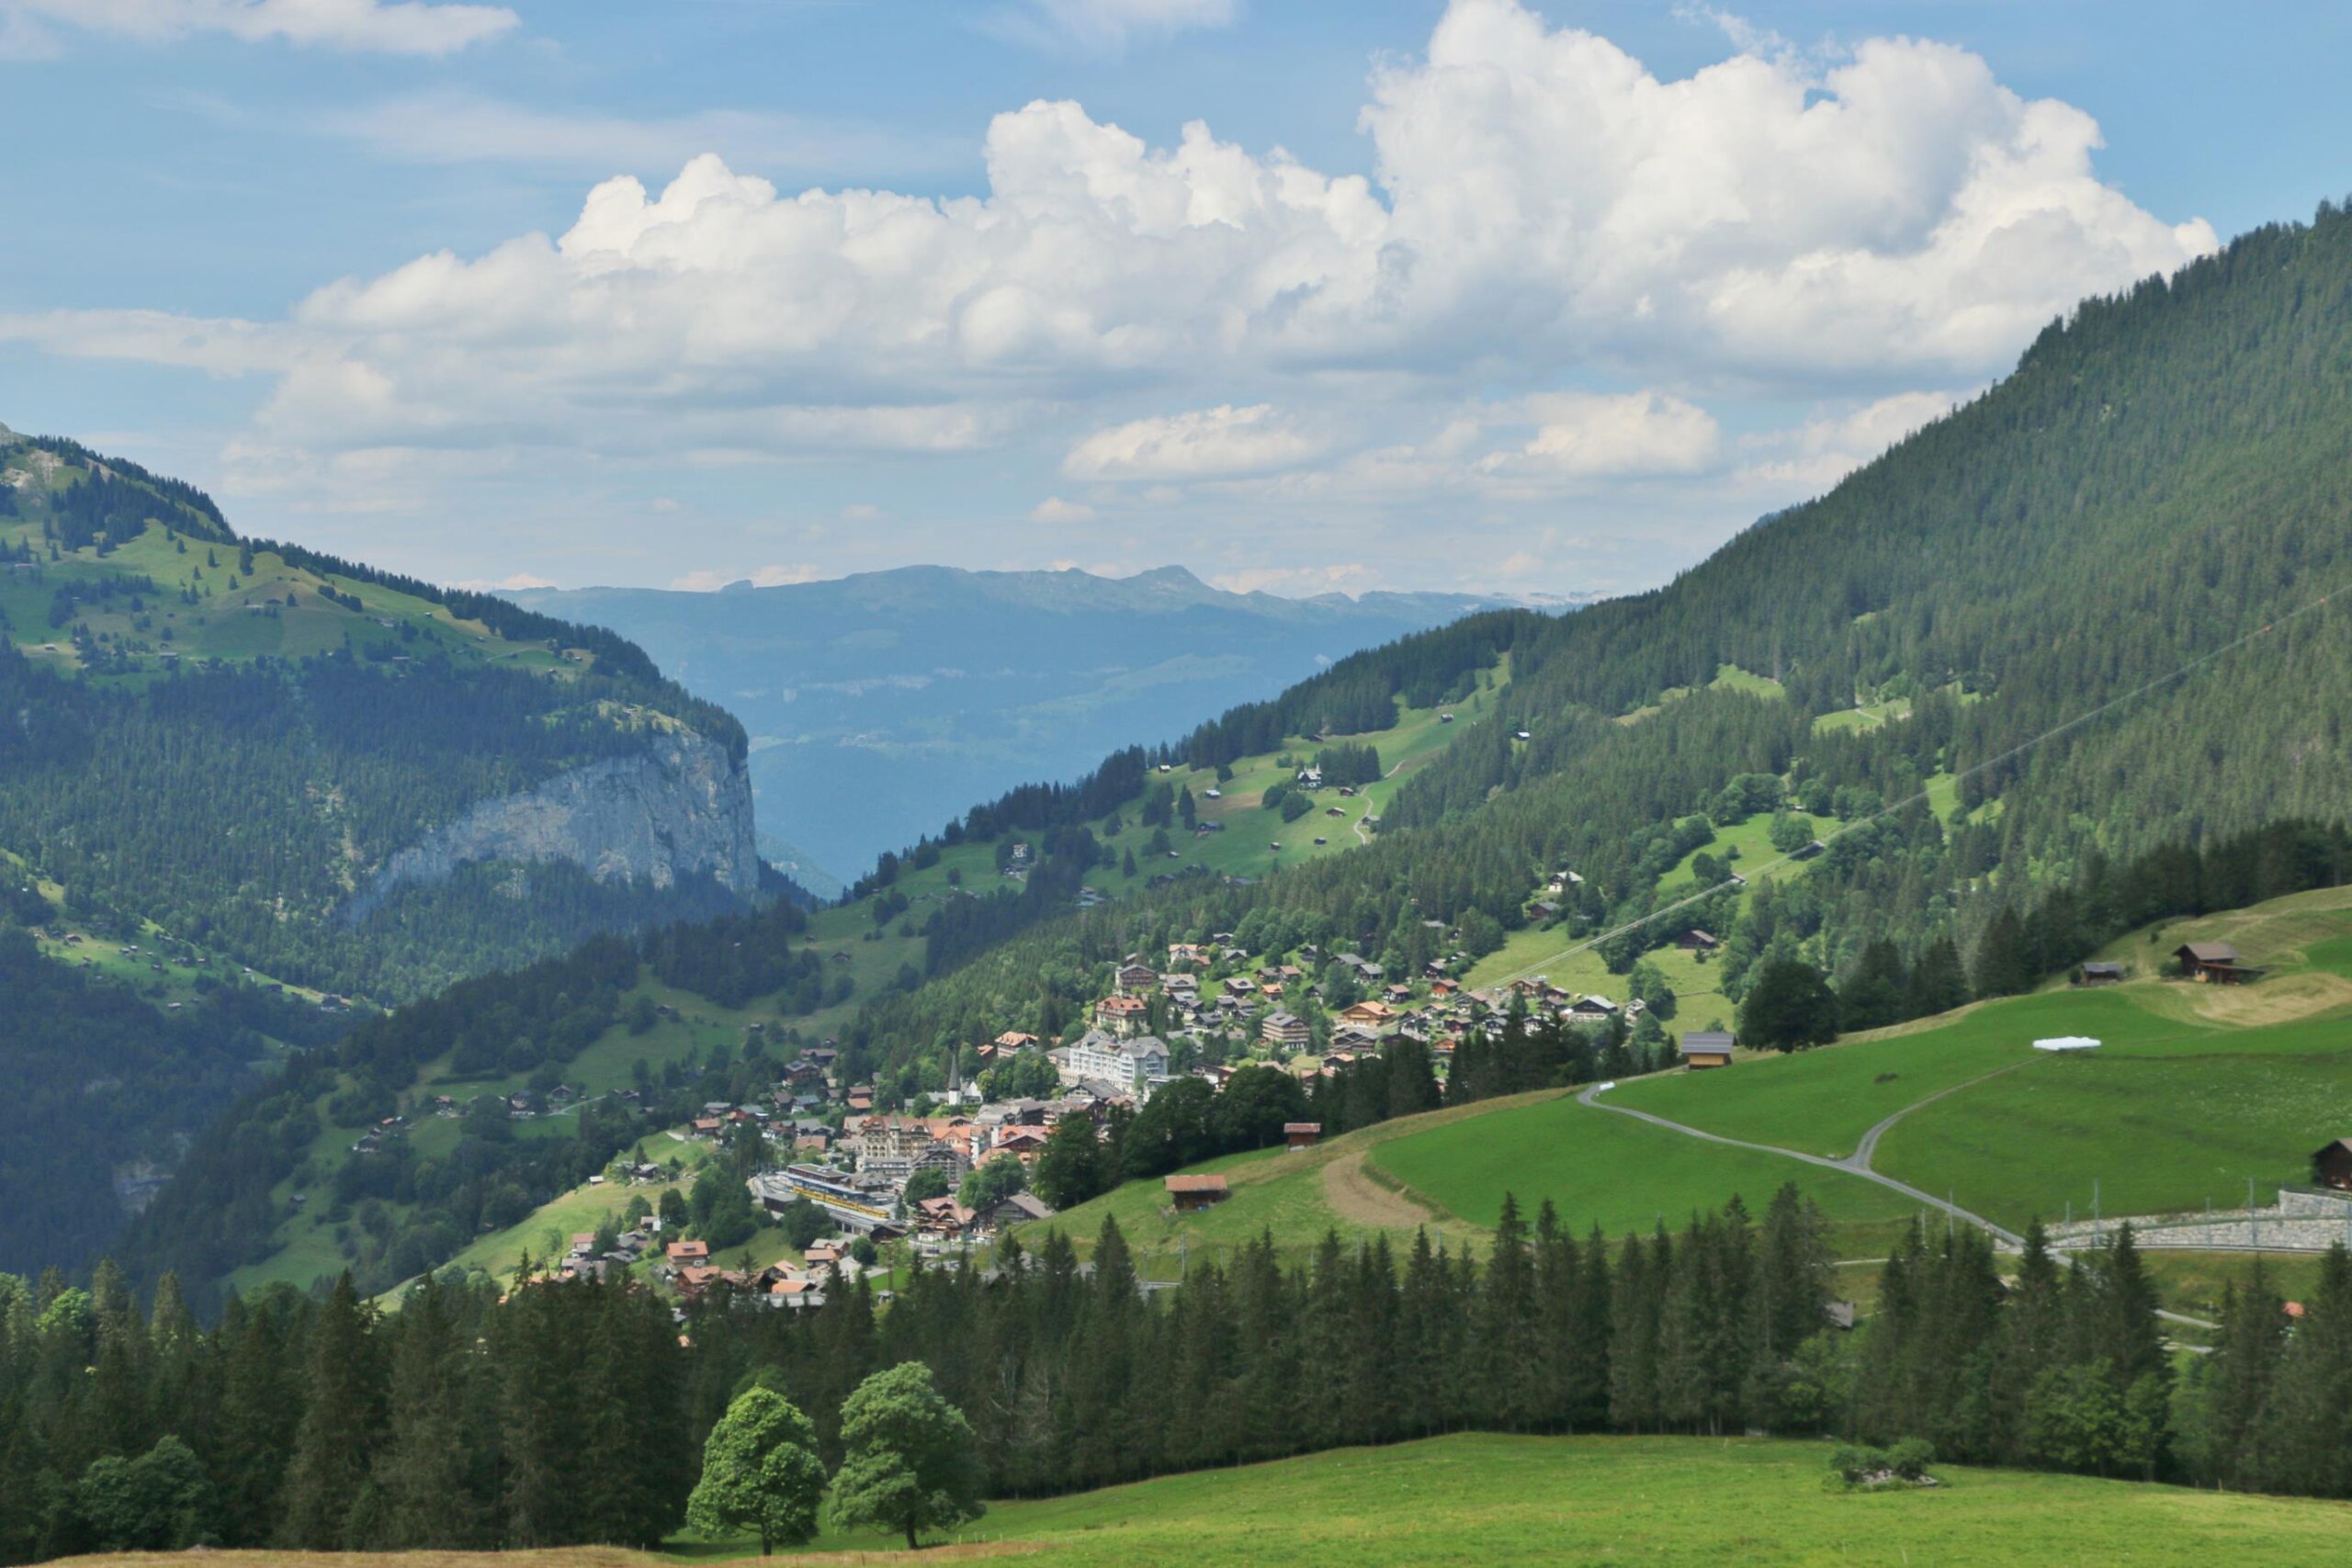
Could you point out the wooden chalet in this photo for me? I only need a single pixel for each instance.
(1696, 941)
(2212, 963)
(1706, 1048)
(2099, 974)
(1189, 1193)
(1301, 1135)
(2332, 1165)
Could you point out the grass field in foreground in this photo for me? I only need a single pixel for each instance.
(1580, 1500)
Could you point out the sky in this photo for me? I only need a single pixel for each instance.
(1487, 295)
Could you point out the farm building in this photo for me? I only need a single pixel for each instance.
(2099, 974)
(2212, 963)
(1706, 1048)
(1192, 1193)
(1301, 1135)
(2332, 1165)
(1696, 941)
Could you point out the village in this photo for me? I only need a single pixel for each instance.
(949, 1172)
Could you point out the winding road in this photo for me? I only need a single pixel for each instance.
(1855, 1164)
(1859, 1164)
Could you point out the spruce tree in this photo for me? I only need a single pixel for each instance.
(341, 1418)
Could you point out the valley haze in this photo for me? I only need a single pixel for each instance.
(881, 704)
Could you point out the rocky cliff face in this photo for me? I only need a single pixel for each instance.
(681, 805)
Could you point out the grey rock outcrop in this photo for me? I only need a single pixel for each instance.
(679, 807)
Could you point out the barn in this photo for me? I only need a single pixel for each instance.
(1706, 1048)
(1194, 1193)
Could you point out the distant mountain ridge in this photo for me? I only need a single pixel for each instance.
(883, 703)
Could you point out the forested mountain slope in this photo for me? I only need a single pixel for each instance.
(2160, 477)
(289, 1185)
(2090, 540)
(880, 703)
(355, 782)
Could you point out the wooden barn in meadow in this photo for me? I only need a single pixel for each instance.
(1194, 1193)
(2212, 963)
(1706, 1048)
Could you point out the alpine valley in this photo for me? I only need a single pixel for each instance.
(1887, 984)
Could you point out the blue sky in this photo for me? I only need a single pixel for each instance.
(1546, 298)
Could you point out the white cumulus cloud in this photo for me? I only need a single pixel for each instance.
(1054, 509)
(1544, 210)
(1828, 446)
(1606, 435)
(1198, 443)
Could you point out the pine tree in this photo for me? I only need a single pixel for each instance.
(340, 1421)
(423, 1474)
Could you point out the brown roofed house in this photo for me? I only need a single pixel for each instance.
(1191, 1192)
(1301, 1135)
(2212, 963)
(2332, 1165)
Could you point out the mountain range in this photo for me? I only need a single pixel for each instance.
(880, 705)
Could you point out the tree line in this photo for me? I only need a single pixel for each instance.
(560, 1414)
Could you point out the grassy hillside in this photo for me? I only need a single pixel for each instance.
(231, 739)
(2196, 1090)
(1584, 1500)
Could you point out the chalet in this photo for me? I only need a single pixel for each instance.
(1591, 1008)
(2212, 963)
(1121, 1015)
(1194, 1192)
(1012, 1041)
(1135, 978)
(1696, 941)
(1025, 1146)
(1286, 1029)
(1807, 851)
(1301, 1135)
(1706, 1048)
(1355, 1037)
(1016, 1209)
(2099, 974)
(1368, 1015)
(940, 1217)
(681, 1253)
(2332, 1165)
